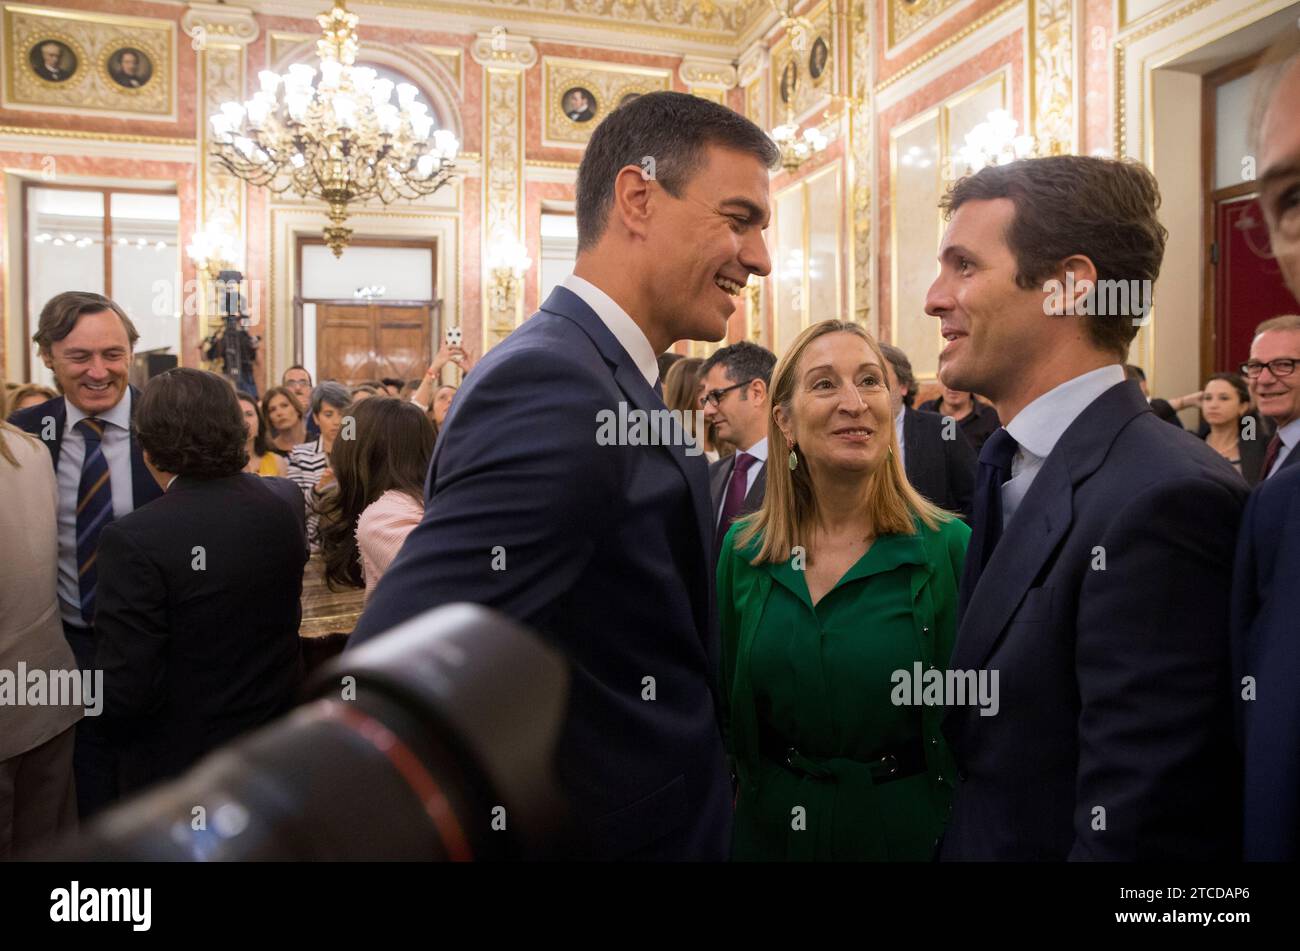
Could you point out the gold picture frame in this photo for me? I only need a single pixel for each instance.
(608, 84)
(95, 39)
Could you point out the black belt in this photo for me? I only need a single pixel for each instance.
(890, 765)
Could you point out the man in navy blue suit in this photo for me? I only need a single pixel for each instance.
(1266, 593)
(1098, 573)
(86, 340)
(540, 506)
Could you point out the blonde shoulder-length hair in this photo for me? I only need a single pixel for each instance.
(789, 507)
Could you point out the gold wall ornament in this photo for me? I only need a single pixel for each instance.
(906, 17)
(605, 86)
(791, 86)
(340, 140)
(1052, 95)
(504, 64)
(73, 61)
(861, 117)
(940, 48)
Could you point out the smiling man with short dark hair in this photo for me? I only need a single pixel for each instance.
(606, 549)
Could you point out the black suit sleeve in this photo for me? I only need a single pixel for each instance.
(1152, 666)
(131, 626)
(522, 493)
(961, 463)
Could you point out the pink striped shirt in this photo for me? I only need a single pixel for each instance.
(381, 529)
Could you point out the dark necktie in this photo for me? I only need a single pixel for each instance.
(94, 511)
(734, 500)
(1270, 455)
(986, 517)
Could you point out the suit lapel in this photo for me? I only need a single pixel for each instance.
(718, 481)
(1041, 521)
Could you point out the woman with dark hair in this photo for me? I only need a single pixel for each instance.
(309, 463)
(380, 497)
(287, 417)
(1234, 432)
(682, 393)
(261, 460)
(197, 604)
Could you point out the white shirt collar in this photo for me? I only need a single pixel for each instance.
(758, 450)
(1290, 433)
(625, 330)
(1039, 426)
(119, 415)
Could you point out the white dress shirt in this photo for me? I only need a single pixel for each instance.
(759, 452)
(1290, 435)
(117, 453)
(1039, 426)
(625, 330)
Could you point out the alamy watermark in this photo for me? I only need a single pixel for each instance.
(1105, 298)
(630, 426)
(53, 688)
(945, 688)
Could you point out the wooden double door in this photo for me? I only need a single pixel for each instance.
(369, 340)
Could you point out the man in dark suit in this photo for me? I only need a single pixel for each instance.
(198, 605)
(734, 383)
(1096, 586)
(548, 498)
(938, 459)
(86, 340)
(1266, 597)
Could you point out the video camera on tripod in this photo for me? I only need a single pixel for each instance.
(233, 345)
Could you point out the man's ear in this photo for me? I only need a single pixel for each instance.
(1085, 278)
(46, 357)
(759, 389)
(632, 199)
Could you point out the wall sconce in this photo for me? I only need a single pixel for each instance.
(211, 251)
(509, 262)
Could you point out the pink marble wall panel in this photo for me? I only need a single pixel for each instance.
(1097, 99)
(926, 39)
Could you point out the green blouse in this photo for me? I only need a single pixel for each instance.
(807, 695)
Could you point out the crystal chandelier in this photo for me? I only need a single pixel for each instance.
(339, 141)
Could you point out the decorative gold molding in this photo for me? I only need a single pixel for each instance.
(96, 136)
(608, 83)
(861, 118)
(92, 38)
(452, 59)
(972, 27)
(503, 190)
(698, 21)
(1121, 49)
(907, 17)
(707, 73)
(542, 163)
(1051, 111)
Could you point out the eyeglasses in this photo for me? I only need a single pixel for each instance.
(715, 396)
(1284, 366)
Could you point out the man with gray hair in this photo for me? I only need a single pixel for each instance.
(1266, 597)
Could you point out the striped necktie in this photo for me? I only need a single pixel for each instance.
(94, 511)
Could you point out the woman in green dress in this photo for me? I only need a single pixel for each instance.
(829, 596)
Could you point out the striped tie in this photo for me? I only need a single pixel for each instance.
(94, 511)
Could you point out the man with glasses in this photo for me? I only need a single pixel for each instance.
(1266, 596)
(297, 380)
(734, 398)
(1275, 387)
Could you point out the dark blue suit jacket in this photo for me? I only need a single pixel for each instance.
(1104, 610)
(144, 488)
(1266, 646)
(602, 549)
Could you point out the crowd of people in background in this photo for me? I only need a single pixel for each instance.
(838, 535)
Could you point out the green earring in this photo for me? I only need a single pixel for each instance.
(794, 460)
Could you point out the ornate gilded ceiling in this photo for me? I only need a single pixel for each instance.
(716, 22)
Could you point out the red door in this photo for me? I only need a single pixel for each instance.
(1248, 285)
